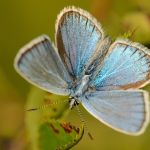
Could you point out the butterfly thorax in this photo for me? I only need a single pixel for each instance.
(78, 91)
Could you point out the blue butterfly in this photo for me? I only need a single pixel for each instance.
(104, 76)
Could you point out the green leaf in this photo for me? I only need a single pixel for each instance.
(55, 135)
(50, 110)
(32, 119)
(55, 106)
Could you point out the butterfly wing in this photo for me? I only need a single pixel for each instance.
(39, 63)
(126, 66)
(78, 35)
(124, 111)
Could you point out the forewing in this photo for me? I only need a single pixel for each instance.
(124, 111)
(78, 35)
(126, 66)
(39, 63)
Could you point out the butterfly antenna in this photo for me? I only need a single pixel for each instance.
(32, 109)
(83, 120)
(40, 108)
(45, 106)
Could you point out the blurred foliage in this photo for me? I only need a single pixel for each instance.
(119, 17)
(10, 108)
(22, 21)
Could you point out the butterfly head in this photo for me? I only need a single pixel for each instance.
(73, 101)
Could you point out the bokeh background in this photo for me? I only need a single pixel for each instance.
(21, 21)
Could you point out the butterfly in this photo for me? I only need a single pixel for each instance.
(85, 64)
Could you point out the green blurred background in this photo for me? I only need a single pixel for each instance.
(21, 21)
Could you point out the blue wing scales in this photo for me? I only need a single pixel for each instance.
(77, 37)
(124, 111)
(126, 66)
(39, 63)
